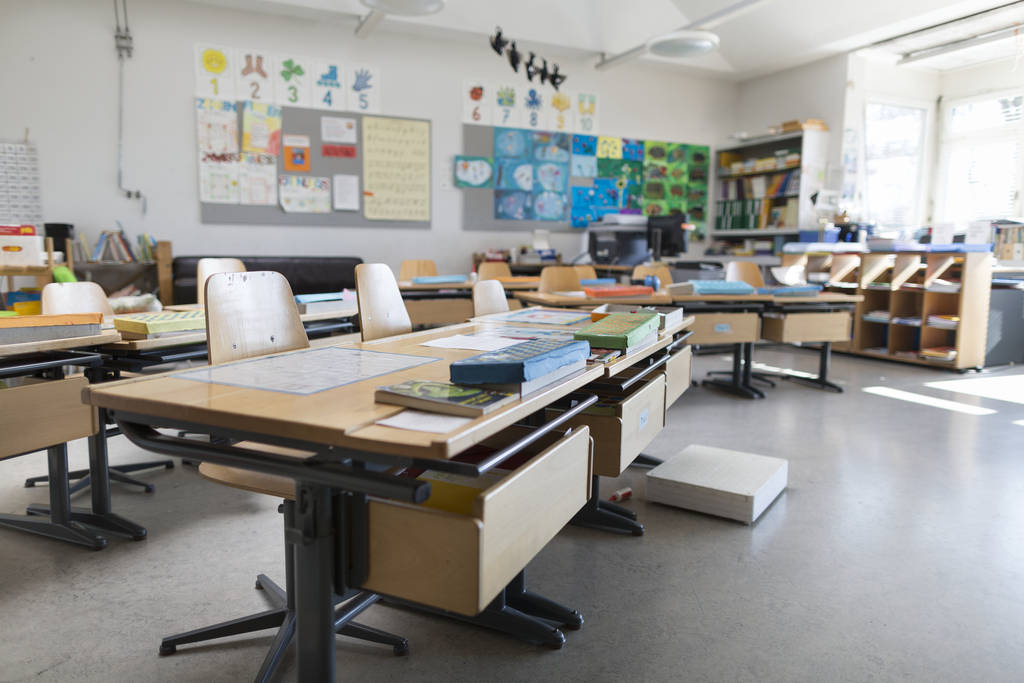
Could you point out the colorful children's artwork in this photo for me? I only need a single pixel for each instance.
(562, 115)
(296, 153)
(633, 150)
(362, 89)
(657, 172)
(655, 152)
(700, 155)
(257, 179)
(551, 147)
(534, 112)
(477, 101)
(550, 206)
(304, 194)
(583, 197)
(655, 189)
(654, 207)
(215, 73)
(254, 76)
(512, 142)
(328, 86)
(218, 178)
(507, 106)
(676, 153)
(698, 174)
(474, 171)
(586, 113)
(620, 168)
(551, 177)
(609, 148)
(513, 174)
(584, 144)
(583, 166)
(582, 217)
(261, 128)
(217, 123)
(292, 81)
(512, 205)
(676, 173)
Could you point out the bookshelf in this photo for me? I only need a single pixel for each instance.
(42, 273)
(911, 285)
(789, 169)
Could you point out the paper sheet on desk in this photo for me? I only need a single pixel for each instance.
(419, 421)
(461, 341)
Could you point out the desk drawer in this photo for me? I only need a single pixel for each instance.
(725, 328)
(461, 562)
(619, 438)
(806, 327)
(44, 413)
(677, 374)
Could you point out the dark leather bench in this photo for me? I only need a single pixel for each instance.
(305, 274)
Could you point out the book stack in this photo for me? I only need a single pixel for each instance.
(908, 354)
(613, 291)
(876, 316)
(439, 397)
(25, 329)
(155, 325)
(524, 368)
(667, 316)
(939, 354)
(912, 320)
(944, 286)
(621, 331)
(946, 322)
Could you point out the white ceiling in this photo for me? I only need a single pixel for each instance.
(770, 36)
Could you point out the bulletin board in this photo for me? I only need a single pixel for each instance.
(302, 121)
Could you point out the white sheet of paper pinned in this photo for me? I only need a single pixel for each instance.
(337, 129)
(461, 341)
(419, 421)
(346, 192)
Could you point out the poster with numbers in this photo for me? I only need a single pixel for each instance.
(507, 106)
(586, 113)
(292, 80)
(561, 113)
(328, 85)
(20, 194)
(362, 92)
(253, 76)
(535, 113)
(477, 99)
(215, 74)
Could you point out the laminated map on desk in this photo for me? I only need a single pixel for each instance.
(543, 316)
(307, 372)
(510, 332)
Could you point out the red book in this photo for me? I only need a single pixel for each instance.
(17, 230)
(618, 290)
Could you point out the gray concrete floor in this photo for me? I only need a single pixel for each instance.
(896, 553)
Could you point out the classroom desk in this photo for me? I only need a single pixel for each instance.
(549, 300)
(437, 304)
(48, 408)
(330, 527)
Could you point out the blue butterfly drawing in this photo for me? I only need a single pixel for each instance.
(363, 77)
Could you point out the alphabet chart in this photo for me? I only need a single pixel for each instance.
(20, 197)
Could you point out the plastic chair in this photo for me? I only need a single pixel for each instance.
(210, 266)
(491, 270)
(416, 268)
(488, 297)
(744, 271)
(382, 312)
(559, 279)
(585, 272)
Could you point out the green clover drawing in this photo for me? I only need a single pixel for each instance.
(291, 69)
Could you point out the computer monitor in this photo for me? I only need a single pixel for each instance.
(666, 236)
(618, 247)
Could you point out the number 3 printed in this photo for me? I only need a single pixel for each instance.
(293, 95)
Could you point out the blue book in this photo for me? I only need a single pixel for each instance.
(721, 287)
(790, 290)
(438, 279)
(519, 363)
(599, 281)
(313, 298)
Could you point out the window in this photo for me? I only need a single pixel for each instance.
(894, 137)
(981, 157)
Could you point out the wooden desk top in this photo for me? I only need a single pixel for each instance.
(341, 416)
(59, 344)
(822, 298)
(409, 286)
(659, 298)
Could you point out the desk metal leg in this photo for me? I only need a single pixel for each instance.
(313, 537)
(101, 517)
(605, 516)
(821, 381)
(740, 382)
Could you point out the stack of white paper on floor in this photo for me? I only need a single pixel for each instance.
(718, 482)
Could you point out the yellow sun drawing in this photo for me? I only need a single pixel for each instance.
(214, 61)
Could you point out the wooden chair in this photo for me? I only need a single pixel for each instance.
(744, 271)
(210, 266)
(559, 279)
(489, 297)
(663, 273)
(417, 268)
(381, 309)
(585, 272)
(490, 270)
(88, 297)
(249, 315)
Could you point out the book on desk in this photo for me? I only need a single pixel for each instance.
(523, 368)
(25, 329)
(149, 325)
(440, 397)
(622, 331)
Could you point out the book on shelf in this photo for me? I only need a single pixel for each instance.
(524, 367)
(612, 291)
(440, 397)
(22, 329)
(158, 323)
(939, 354)
(667, 315)
(911, 320)
(623, 331)
(877, 316)
(949, 322)
(944, 286)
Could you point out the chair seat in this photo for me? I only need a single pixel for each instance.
(257, 482)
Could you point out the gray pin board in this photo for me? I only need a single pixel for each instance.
(478, 203)
(300, 121)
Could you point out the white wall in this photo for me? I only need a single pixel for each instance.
(60, 81)
(980, 79)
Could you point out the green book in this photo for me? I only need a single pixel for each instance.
(157, 323)
(440, 397)
(620, 330)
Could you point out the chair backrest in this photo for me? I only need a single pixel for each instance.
(585, 272)
(208, 266)
(75, 297)
(251, 314)
(744, 271)
(489, 297)
(489, 270)
(663, 273)
(559, 279)
(381, 309)
(417, 268)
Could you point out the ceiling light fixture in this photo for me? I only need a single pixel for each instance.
(407, 8)
(682, 44)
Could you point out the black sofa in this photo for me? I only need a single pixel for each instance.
(305, 274)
